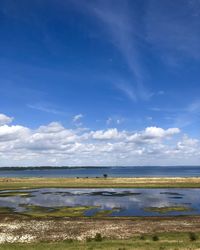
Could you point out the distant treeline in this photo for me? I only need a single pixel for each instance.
(45, 167)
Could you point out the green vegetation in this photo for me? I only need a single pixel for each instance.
(165, 182)
(38, 211)
(155, 238)
(103, 213)
(167, 241)
(11, 194)
(5, 210)
(41, 212)
(167, 209)
(142, 237)
(193, 236)
(98, 237)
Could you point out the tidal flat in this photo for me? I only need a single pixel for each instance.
(101, 202)
(70, 212)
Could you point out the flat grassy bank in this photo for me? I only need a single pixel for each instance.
(148, 182)
(161, 241)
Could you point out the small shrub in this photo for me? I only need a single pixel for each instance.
(142, 237)
(155, 238)
(68, 241)
(88, 239)
(162, 248)
(98, 237)
(193, 236)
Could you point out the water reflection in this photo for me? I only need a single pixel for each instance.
(122, 202)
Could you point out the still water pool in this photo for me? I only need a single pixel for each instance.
(102, 202)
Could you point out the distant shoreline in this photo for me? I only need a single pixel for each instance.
(10, 168)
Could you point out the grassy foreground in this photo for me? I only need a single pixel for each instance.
(148, 182)
(162, 241)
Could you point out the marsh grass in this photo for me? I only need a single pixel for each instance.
(167, 209)
(13, 194)
(38, 211)
(167, 241)
(6, 210)
(149, 182)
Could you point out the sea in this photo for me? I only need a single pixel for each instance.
(97, 172)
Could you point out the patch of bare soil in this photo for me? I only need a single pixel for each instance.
(17, 229)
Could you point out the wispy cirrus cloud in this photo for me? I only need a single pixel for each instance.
(121, 26)
(172, 27)
(46, 108)
(181, 116)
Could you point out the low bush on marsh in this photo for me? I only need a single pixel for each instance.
(193, 236)
(155, 238)
(98, 237)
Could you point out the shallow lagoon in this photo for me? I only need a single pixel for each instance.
(104, 202)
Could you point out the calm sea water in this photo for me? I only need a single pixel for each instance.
(183, 171)
(119, 201)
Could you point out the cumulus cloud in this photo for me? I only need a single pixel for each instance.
(55, 144)
(154, 132)
(4, 119)
(11, 133)
(105, 135)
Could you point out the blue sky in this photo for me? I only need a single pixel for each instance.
(100, 66)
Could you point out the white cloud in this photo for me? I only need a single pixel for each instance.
(77, 118)
(57, 145)
(105, 135)
(53, 127)
(188, 145)
(4, 119)
(155, 132)
(10, 133)
(114, 120)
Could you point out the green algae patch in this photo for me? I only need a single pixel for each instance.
(6, 210)
(168, 209)
(105, 213)
(12, 194)
(39, 211)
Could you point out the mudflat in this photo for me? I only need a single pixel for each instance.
(116, 232)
